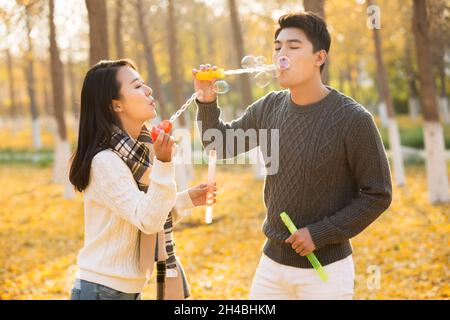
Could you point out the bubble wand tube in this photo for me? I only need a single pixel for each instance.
(250, 64)
(311, 256)
(211, 180)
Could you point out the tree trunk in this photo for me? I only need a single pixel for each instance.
(98, 30)
(443, 100)
(210, 43)
(394, 136)
(437, 178)
(12, 90)
(152, 70)
(29, 71)
(62, 149)
(341, 80)
(175, 74)
(246, 90)
(413, 101)
(200, 57)
(57, 75)
(47, 101)
(318, 7)
(73, 89)
(118, 30)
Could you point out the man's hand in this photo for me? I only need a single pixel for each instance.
(301, 242)
(198, 194)
(205, 87)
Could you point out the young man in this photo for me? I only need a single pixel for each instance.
(333, 177)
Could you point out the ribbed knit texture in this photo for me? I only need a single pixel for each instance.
(333, 175)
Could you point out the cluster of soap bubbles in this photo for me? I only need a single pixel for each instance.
(264, 72)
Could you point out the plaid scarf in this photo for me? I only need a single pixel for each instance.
(171, 279)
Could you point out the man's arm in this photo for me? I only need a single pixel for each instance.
(230, 139)
(370, 167)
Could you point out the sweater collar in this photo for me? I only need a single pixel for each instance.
(325, 101)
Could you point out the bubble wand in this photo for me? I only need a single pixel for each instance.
(211, 179)
(250, 64)
(311, 256)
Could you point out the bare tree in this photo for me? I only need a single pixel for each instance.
(120, 52)
(29, 73)
(47, 100)
(73, 88)
(175, 74)
(98, 30)
(437, 178)
(62, 148)
(152, 70)
(413, 99)
(246, 90)
(318, 7)
(385, 94)
(12, 90)
(439, 33)
(57, 77)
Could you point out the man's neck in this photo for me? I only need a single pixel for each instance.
(309, 92)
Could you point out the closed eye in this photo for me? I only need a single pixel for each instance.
(140, 83)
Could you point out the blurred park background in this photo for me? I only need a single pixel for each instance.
(391, 56)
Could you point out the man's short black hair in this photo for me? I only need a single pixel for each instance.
(312, 25)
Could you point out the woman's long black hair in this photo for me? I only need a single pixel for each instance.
(100, 87)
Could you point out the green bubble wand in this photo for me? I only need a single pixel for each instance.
(311, 256)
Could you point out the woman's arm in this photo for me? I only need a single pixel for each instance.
(183, 203)
(114, 186)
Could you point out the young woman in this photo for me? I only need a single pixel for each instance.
(130, 197)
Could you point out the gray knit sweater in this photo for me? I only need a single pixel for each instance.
(333, 175)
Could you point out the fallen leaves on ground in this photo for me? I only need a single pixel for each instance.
(403, 255)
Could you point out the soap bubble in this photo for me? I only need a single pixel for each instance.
(283, 63)
(248, 62)
(263, 78)
(221, 87)
(260, 61)
(273, 71)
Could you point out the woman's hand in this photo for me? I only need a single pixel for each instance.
(163, 147)
(198, 194)
(206, 88)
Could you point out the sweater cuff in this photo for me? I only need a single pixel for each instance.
(183, 201)
(163, 173)
(206, 104)
(208, 112)
(321, 233)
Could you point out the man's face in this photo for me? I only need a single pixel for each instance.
(304, 63)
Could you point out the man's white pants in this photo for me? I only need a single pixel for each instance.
(274, 281)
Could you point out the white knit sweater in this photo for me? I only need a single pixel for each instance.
(114, 212)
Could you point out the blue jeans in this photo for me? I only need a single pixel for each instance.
(85, 290)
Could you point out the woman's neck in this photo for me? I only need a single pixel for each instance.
(131, 128)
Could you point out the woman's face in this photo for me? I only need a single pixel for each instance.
(136, 103)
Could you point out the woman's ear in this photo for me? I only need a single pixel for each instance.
(116, 106)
